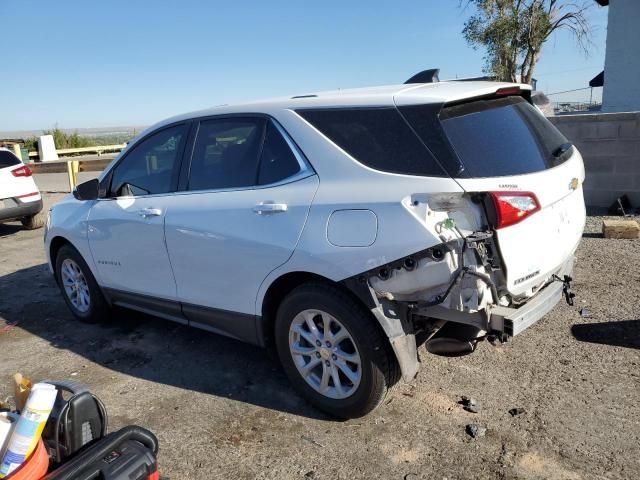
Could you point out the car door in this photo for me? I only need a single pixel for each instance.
(248, 195)
(126, 229)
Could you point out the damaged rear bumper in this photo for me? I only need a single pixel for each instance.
(513, 321)
(451, 283)
(503, 322)
(508, 321)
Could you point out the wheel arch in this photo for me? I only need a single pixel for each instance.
(280, 288)
(56, 243)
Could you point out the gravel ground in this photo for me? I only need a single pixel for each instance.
(222, 409)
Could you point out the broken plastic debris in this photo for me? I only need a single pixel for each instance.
(311, 440)
(470, 404)
(475, 431)
(514, 412)
(584, 312)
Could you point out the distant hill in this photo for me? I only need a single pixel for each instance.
(83, 132)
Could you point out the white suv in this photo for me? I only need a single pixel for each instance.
(19, 196)
(343, 228)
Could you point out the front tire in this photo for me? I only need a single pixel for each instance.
(79, 288)
(333, 352)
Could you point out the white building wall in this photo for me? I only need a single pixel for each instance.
(622, 64)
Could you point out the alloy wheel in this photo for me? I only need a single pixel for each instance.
(75, 285)
(325, 354)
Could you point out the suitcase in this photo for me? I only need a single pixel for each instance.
(128, 454)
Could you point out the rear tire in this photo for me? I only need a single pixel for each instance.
(34, 221)
(79, 288)
(360, 363)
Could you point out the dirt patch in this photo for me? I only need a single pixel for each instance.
(533, 465)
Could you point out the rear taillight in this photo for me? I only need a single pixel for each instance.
(22, 171)
(513, 207)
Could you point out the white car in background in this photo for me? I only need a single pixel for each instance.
(343, 228)
(20, 198)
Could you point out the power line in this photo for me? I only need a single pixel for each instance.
(557, 72)
(568, 91)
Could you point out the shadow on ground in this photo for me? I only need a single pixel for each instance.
(150, 348)
(592, 235)
(624, 333)
(7, 229)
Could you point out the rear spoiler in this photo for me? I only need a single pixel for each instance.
(501, 92)
(432, 75)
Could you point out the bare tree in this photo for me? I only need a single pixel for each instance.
(514, 31)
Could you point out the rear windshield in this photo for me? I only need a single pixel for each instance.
(376, 137)
(8, 159)
(501, 137)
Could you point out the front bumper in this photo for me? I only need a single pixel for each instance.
(20, 210)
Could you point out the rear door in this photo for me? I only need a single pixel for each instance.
(247, 199)
(506, 145)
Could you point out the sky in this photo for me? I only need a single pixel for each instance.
(81, 64)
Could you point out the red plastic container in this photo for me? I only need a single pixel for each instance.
(34, 468)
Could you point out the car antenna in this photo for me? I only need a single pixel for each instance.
(425, 76)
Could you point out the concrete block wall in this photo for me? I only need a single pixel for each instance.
(610, 146)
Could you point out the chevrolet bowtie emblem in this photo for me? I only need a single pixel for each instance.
(573, 184)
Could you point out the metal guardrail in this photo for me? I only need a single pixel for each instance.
(100, 149)
(72, 167)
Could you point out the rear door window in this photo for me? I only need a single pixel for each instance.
(226, 153)
(502, 137)
(376, 137)
(277, 161)
(8, 159)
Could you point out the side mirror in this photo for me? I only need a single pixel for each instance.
(87, 190)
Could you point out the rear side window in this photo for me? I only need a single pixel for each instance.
(376, 137)
(277, 161)
(8, 159)
(501, 137)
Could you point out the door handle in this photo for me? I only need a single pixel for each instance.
(150, 212)
(269, 207)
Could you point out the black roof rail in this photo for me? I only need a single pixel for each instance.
(425, 76)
